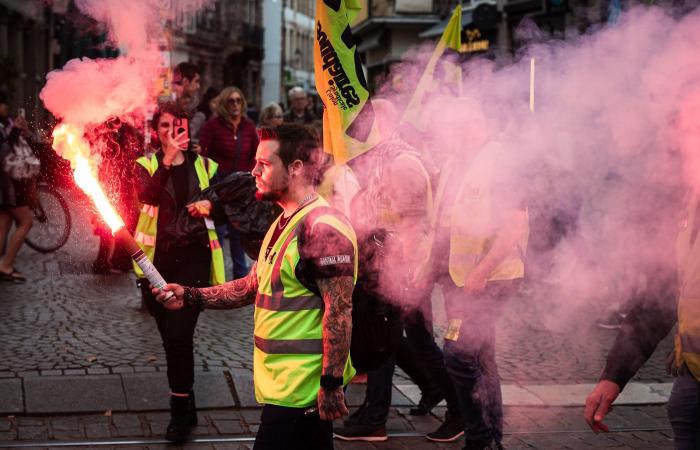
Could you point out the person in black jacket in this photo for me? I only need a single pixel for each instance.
(184, 259)
(649, 320)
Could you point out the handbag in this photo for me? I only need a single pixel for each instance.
(21, 163)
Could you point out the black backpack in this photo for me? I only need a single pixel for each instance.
(376, 324)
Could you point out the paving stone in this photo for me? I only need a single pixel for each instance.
(230, 427)
(31, 421)
(11, 397)
(65, 423)
(87, 393)
(245, 390)
(32, 433)
(126, 421)
(212, 390)
(7, 436)
(146, 391)
(45, 373)
(65, 435)
(97, 431)
(5, 424)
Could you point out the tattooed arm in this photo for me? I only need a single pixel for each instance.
(234, 294)
(337, 330)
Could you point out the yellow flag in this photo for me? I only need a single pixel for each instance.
(451, 40)
(349, 126)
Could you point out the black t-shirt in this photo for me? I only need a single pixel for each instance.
(181, 184)
(324, 251)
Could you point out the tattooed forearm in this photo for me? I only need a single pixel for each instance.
(337, 323)
(234, 294)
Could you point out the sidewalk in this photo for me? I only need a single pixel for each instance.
(233, 388)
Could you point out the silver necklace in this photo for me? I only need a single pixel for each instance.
(301, 204)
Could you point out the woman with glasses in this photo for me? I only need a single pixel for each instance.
(271, 116)
(230, 138)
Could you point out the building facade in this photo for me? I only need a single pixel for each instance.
(387, 29)
(225, 40)
(289, 48)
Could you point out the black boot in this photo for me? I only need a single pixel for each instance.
(179, 426)
(192, 411)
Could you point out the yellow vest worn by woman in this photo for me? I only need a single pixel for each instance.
(147, 226)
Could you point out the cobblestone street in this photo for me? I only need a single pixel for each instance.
(66, 325)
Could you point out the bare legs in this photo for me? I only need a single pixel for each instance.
(23, 218)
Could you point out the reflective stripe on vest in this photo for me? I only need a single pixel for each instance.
(279, 302)
(289, 346)
(147, 226)
(149, 210)
(145, 239)
(471, 226)
(288, 351)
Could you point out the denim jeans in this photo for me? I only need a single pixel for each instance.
(470, 359)
(239, 263)
(684, 412)
(420, 357)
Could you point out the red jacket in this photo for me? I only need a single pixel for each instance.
(233, 152)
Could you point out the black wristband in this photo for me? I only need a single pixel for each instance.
(193, 298)
(330, 383)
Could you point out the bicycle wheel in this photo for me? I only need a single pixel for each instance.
(52, 222)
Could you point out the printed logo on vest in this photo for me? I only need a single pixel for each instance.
(333, 260)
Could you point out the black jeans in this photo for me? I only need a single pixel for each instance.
(189, 266)
(283, 428)
(420, 357)
(471, 358)
(684, 412)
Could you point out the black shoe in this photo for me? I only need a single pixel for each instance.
(180, 419)
(361, 432)
(427, 403)
(192, 411)
(484, 444)
(355, 418)
(450, 430)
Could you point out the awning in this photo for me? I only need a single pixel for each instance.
(467, 18)
(370, 41)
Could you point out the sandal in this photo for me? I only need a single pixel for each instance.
(13, 276)
(17, 275)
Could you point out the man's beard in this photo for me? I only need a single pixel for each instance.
(272, 196)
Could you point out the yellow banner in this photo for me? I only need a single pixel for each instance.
(451, 39)
(349, 126)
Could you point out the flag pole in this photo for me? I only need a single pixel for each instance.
(532, 84)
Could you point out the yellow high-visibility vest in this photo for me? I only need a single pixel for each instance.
(688, 253)
(472, 229)
(147, 225)
(288, 353)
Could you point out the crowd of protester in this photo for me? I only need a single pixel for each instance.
(389, 205)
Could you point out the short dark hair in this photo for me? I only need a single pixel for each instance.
(296, 142)
(169, 108)
(186, 70)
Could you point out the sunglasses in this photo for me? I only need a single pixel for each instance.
(234, 101)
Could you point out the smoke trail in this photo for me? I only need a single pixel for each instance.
(88, 92)
(602, 162)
